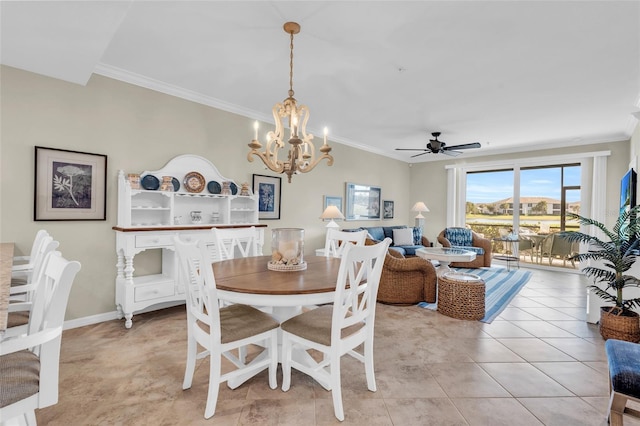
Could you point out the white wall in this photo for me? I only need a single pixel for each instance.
(139, 129)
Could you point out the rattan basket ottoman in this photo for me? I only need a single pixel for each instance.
(461, 296)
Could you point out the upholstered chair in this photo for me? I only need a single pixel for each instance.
(407, 281)
(467, 239)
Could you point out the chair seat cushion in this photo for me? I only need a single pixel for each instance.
(624, 366)
(241, 321)
(476, 250)
(15, 319)
(315, 325)
(20, 373)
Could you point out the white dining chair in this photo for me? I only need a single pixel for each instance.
(221, 330)
(24, 264)
(23, 286)
(245, 240)
(20, 309)
(337, 240)
(29, 364)
(338, 329)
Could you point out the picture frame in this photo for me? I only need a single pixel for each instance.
(363, 202)
(69, 185)
(387, 209)
(268, 189)
(628, 190)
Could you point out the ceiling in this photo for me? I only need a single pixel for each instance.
(512, 75)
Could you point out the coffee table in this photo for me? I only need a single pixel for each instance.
(445, 255)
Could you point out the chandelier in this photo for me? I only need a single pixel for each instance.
(301, 157)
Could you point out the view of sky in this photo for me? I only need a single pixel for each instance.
(488, 187)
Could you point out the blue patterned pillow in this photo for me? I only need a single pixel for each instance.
(458, 236)
(417, 235)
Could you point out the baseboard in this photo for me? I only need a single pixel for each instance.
(90, 320)
(113, 315)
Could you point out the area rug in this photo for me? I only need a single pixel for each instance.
(501, 286)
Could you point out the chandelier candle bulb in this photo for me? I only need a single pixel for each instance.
(255, 127)
(325, 135)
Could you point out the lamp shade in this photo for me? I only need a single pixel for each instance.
(332, 212)
(419, 207)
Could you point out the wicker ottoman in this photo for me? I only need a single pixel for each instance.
(461, 296)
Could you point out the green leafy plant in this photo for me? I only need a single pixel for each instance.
(617, 256)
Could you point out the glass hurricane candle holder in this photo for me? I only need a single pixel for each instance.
(287, 250)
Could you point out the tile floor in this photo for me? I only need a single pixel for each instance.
(539, 363)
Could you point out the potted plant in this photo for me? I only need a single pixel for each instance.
(610, 276)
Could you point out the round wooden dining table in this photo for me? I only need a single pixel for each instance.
(249, 281)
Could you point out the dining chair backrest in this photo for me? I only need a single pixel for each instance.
(337, 240)
(40, 346)
(241, 240)
(27, 284)
(357, 288)
(200, 286)
(35, 246)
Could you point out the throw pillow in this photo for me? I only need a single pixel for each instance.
(403, 237)
(417, 236)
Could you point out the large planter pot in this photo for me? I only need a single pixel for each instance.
(618, 324)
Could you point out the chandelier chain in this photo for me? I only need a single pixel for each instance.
(291, 66)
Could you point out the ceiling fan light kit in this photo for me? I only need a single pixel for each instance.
(436, 146)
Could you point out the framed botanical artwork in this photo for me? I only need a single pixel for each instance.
(69, 185)
(387, 209)
(363, 202)
(268, 190)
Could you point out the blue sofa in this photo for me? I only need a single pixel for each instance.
(379, 233)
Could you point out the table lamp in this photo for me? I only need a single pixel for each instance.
(419, 207)
(332, 212)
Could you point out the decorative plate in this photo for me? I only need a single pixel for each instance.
(194, 182)
(150, 182)
(176, 184)
(214, 187)
(234, 188)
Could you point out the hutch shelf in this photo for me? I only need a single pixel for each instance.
(150, 219)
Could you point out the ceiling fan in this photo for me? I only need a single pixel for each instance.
(435, 147)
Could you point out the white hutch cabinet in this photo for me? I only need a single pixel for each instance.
(150, 219)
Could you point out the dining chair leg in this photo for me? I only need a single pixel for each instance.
(368, 365)
(336, 389)
(192, 349)
(214, 384)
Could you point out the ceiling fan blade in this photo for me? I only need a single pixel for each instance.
(411, 149)
(465, 146)
(418, 155)
(450, 153)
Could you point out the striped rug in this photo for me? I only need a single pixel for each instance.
(501, 286)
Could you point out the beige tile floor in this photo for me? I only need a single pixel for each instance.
(539, 363)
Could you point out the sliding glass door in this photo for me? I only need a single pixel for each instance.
(530, 202)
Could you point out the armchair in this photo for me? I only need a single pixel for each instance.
(406, 281)
(467, 239)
